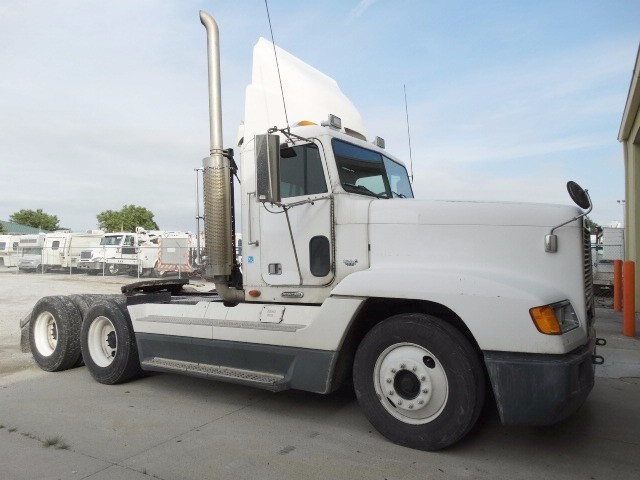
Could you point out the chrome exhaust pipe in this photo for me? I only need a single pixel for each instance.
(217, 179)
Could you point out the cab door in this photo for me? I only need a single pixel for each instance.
(303, 181)
(129, 248)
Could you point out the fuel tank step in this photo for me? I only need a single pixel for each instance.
(269, 381)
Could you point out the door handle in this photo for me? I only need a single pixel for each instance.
(250, 220)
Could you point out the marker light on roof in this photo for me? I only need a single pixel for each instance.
(379, 142)
(333, 122)
(304, 123)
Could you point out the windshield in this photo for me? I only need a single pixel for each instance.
(32, 251)
(111, 240)
(367, 172)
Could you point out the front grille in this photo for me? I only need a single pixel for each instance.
(588, 273)
(85, 255)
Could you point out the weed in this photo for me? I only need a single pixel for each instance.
(56, 442)
(12, 429)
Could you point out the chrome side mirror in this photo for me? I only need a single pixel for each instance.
(268, 168)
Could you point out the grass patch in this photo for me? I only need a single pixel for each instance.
(12, 429)
(1, 427)
(57, 442)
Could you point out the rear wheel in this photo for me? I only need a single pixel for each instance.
(419, 381)
(54, 333)
(108, 344)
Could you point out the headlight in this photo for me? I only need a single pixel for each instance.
(555, 319)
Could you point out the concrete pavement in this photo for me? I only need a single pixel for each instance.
(173, 427)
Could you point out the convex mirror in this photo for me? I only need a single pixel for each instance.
(578, 195)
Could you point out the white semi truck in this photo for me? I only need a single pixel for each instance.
(122, 252)
(425, 305)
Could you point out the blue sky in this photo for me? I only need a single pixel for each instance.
(105, 103)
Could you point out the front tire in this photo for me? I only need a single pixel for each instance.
(54, 333)
(419, 381)
(112, 269)
(108, 344)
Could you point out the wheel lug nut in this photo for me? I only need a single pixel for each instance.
(403, 365)
(393, 370)
(425, 390)
(388, 380)
(414, 368)
(420, 401)
(390, 392)
(423, 378)
(399, 402)
(411, 405)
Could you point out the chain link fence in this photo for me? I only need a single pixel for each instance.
(171, 257)
(602, 257)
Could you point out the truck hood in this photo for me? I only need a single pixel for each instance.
(450, 212)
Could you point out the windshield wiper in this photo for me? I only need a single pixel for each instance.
(399, 195)
(364, 189)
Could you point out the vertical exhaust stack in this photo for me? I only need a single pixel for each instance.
(217, 181)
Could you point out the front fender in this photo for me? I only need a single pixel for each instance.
(494, 306)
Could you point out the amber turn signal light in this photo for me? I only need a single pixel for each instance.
(545, 320)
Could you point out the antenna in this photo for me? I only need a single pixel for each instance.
(406, 111)
(277, 65)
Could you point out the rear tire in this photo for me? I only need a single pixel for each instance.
(108, 343)
(419, 381)
(54, 333)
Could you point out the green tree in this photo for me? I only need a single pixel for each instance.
(593, 227)
(126, 219)
(2, 228)
(36, 219)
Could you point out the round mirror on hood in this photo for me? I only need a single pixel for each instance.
(578, 195)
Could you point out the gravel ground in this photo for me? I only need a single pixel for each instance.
(18, 295)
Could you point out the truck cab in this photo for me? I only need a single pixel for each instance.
(120, 252)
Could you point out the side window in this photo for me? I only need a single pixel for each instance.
(301, 171)
(55, 244)
(128, 241)
(15, 246)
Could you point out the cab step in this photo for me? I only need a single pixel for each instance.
(269, 381)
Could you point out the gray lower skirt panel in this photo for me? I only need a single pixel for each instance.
(297, 368)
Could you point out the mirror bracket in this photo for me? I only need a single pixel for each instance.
(551, 240)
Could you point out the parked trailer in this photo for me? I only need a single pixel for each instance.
(62, 249)
(9, 250)
(30, 252)
(344, 275)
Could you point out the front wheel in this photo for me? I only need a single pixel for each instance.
(112, 269)
(419, 381)
(108, 344)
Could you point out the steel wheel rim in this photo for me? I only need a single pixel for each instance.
(45, 334)
(102, 341)
(398, 370)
